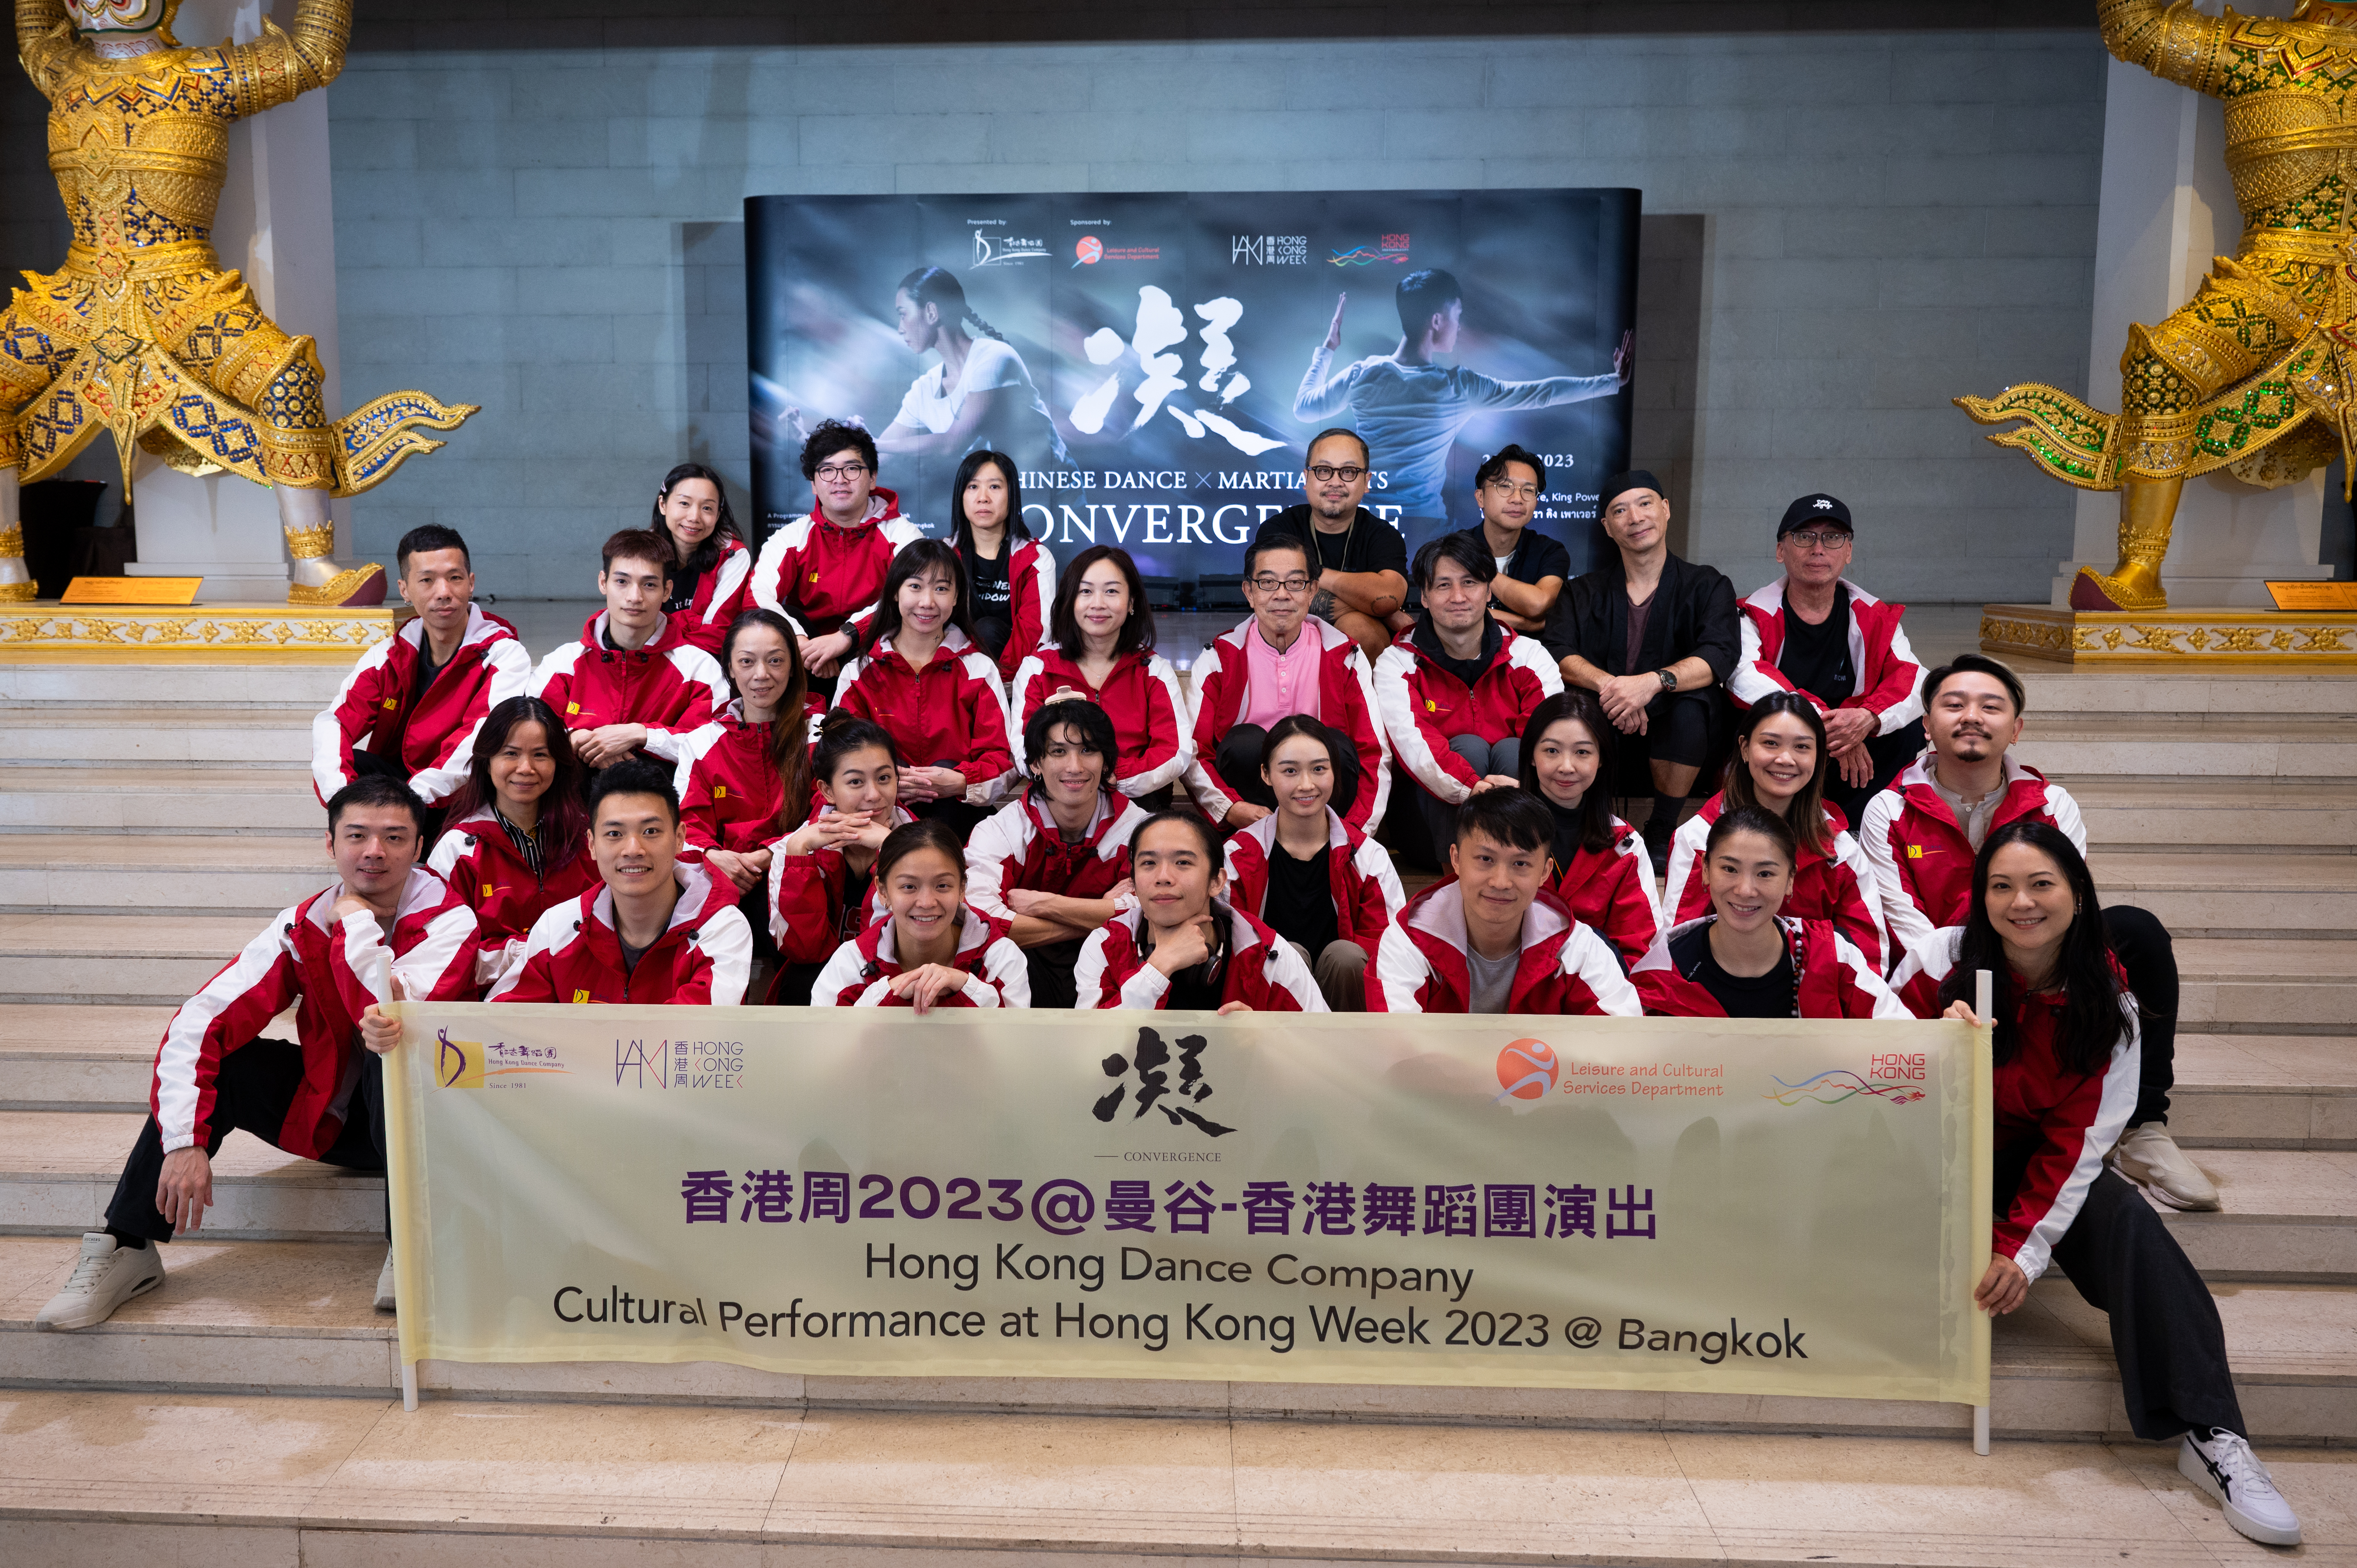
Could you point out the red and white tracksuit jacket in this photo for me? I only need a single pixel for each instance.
(1140, 695)
(1346, 703)
(860, 974)
(1922, 862)
(665, 684)
(818, 575)
(2073, 1118)
(1020, 846)
(722, 595)
(1262, 971)
(703, 957)
(436, 741)
(1889, 676)
(949, 713)
(1610, 891)
(1030, 594)
(807, 917)
(1836, 980)
(728, 787)
(480, 862)
(330, 969)
(1366, 889)
(1566, 968)
(1422, 706)
(1840, 887)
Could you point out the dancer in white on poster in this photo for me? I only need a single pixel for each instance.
(980, 397)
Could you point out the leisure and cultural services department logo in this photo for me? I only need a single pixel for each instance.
(1527, 1069)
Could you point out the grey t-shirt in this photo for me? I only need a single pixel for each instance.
(1974, 818)
(1491, 981)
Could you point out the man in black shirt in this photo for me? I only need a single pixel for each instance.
(1359, 560)
(1531, 567)
(1654, 637)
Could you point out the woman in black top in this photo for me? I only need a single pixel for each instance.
(1010, 576)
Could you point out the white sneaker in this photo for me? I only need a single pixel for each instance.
(385, 1283)
(2149, 1157)
(105, 1277)
(2224, 1466)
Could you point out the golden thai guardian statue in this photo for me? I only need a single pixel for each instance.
(142, 333)
(2252, 375)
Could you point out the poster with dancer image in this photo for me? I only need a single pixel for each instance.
(1155, 363)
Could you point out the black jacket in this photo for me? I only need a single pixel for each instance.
(1693, 617)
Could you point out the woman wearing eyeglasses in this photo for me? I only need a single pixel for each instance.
(828, 568)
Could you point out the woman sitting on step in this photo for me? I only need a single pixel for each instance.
(1601, 872)
(932, 948)
(2067, 1044)
(517, 842)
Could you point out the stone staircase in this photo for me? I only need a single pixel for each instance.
(150, 819)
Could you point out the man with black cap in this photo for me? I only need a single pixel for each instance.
(1652, 636)
(1816, 632)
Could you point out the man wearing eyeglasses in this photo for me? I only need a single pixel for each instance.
(1358, 561)
(1531, 567)
(1816, 632)
(825, 570)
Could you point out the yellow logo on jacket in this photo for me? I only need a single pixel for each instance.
(571, 708)
(580, 996)
(1430, 706)
(1914, 851)
(392, 705)
(720, 791)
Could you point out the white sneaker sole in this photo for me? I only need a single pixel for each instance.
(2162, 1195)
(90, 1318)
(2190, 1465)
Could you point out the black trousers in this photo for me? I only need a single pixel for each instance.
(2141, 943)
(1890, 753)
(962, 818)
(2165, 1335)
(1053, 981)
(1683, 727)
(991, 633)
(254, 1086)
(1238, 760)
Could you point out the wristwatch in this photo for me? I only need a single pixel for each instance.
(1669, 678)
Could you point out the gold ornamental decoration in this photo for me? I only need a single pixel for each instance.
(2253, 374)
(141, 333)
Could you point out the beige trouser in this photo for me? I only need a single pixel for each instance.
(1341, 973)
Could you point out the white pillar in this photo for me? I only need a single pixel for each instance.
(276, 224)
(2168, 207)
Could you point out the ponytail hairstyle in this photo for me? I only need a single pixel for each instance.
(916, 559)
(788, 745)
(840, 735)
(925, 832)
(2091, 1022)
(960, 530)
(1807, 818)
(563, 825)
(939, 287)
(1595, 806)
(705, 553)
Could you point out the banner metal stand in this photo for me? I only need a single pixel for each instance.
(1984, 1158)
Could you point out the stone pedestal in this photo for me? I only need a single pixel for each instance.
(2209, 640)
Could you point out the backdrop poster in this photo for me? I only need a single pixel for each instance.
(1757, 1207)
(1152, 360)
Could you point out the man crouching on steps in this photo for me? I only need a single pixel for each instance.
(386, 928)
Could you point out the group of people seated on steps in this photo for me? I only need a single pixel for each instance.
(866, 766)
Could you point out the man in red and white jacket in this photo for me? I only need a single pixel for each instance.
(1492, 939)
(1458, 687)
(828, 568)
(631, 682)
(386, 929)
(655, 931)
(1816, 632)
(410, 708)
(1284, 661)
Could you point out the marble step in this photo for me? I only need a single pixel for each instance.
(2230, 895)
(173, 735)
(2299, 744)
(2158, 693)
(308, 686)
(2220, 816)
(121, 960)
(57, 1057)
(184, 801)
(102, 874)
(2244, 986)
(247, 1316)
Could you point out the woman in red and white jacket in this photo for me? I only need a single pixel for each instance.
(1011, 575)
(825, 569)
(1780, 766)
(1184, 946)
(737, 773)
(1601, 871)
(922, 679)
(932, 948)
(713, 580)
(1309, 875)
(2066, 1039)
(1052, 865)
(1744, 959)
(517, 842)
(1103, 649)
(822, 890)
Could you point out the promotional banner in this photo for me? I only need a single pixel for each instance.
(1155, 363)
(1779, 1207)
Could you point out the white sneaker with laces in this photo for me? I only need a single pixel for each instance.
(105, 1277)
(2149, 1157)
(2224, 1466)
(385, 1302)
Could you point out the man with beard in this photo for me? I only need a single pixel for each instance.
(1358, 561)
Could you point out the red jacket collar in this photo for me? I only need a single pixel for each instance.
(883, 505)
(667, 636)
(700, 899)
(975, 934)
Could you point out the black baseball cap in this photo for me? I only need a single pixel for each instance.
(1811, 511)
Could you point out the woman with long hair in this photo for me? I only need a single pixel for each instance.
(1305, 873)
(713, 583)
(1010, 574)
(980, 395)
(1102, 648)
(1780, 766)
(823, 870)
(1184, 946)
(2067, 1041)
(932, 948)
(1601, 871)
(518, 838)
(1745, 958)
(1052, 865)
(920, 676)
